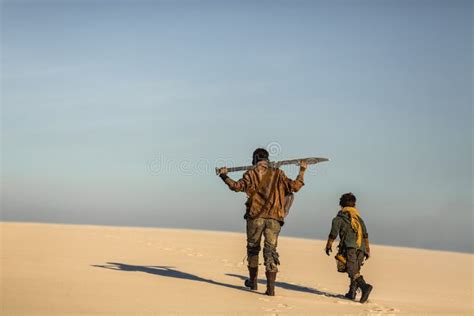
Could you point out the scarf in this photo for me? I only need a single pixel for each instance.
(355, 222)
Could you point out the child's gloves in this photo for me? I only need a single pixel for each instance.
(367, 248)
(329, 246)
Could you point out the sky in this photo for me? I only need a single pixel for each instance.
(117, 112)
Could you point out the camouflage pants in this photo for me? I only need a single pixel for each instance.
(270, 229)
(355, 259)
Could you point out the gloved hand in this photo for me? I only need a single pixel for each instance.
(329, 246)
(303, 165)
(367, 248)
(222, 171)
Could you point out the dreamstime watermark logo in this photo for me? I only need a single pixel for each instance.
(273, 148)
(163, 164)
(188, 167)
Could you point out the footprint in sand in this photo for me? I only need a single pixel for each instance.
(285, 306)
(381, 310)
(280, 307)
(227, 263)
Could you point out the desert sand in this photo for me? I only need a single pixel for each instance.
(49, 269)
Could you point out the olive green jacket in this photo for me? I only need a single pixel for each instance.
(341, 225)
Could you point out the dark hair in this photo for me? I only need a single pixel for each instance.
(347, 199)
(258, 155)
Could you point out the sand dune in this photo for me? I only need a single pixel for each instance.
(69, 269)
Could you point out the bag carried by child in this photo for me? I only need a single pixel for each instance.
(341, 263)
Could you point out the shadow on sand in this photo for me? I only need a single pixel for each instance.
(165, 271)
(293, 287)
(171, 272)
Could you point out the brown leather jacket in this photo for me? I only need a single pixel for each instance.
(266, 192)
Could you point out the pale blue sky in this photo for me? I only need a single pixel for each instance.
(97, 94)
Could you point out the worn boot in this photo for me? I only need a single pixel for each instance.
(271, 277)
(365, 288)
(351, 295)
(252, 281)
